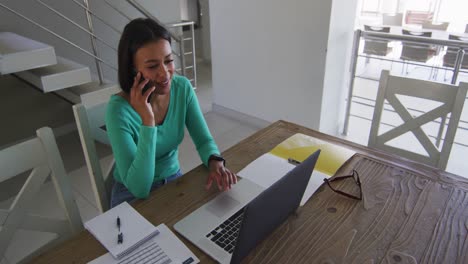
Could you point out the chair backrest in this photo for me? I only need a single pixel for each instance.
(418, 17)
(392, 19)
(466, 28)
(438, 26)
(41, 156)
(90, 121)
(377, 28)
(416, 51)
(450, 99)
(376, 46)
(451, 55)
(426, 34)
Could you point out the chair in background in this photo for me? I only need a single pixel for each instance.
(90, 120)
(41, 156)
(415, 51)
(451, 55)
(376, 46)
(392, 19)
(437, 26)
(466, 28)
(418, 17)
(451, 98)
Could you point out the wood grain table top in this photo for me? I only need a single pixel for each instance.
(410, 212)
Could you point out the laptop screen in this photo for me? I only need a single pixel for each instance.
(272, 207)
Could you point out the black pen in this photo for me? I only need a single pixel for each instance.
(120, 235)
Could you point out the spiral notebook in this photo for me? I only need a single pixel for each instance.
(135, 230)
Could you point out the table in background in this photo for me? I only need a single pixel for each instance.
(410, 213)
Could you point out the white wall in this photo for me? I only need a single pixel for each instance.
(340, 41)
(268, 58)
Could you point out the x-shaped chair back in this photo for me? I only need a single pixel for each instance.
(42, 157)
(451, 99)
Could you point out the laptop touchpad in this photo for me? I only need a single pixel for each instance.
(222, 205)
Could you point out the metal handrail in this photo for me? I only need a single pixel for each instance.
(96, 16)
(57, 35)
(413, 39)
(93, 44)
(405, 38)
(117, 10)
(94, 37)
(180, 40)
(142, 10)
(76, 24)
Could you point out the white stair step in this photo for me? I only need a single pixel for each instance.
(75, 94)
(18, 53)
(64, 74)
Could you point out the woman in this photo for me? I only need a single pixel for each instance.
(145, 127)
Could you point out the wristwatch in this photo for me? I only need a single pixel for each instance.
(217, 157)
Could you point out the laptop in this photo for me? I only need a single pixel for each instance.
(228, 227)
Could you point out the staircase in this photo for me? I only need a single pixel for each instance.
(37, 64)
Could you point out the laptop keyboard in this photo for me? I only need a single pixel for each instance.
(225, 235)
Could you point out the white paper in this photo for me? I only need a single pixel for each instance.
(175, 250)
(268, 169)
(134, 227)
(315, 182)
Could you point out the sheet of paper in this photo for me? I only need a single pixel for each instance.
(315, 181)
(164, 248)
(269, 168)
(266, 170)
(134, 227)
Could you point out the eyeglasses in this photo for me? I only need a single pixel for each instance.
(355, 176)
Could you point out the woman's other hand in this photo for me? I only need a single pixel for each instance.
(223, 177)
(139, 100)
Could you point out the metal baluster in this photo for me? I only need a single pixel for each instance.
(192, 29)
(76, 24)
(456, 70)
(354, 58)
(182, 53)
(96, 16)
(117, 10)
(57, 35)
(93, 43)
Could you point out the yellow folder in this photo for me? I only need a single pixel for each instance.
(300, 146)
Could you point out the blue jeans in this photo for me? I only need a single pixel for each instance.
(121, 194)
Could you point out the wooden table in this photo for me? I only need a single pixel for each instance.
(410, 213)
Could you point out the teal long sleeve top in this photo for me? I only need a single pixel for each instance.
(146, 154)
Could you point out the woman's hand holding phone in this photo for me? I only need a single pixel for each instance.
(139, 99)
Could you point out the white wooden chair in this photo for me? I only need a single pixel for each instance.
(90, 120)
(376, 46)
(42, 157)
(451, 99)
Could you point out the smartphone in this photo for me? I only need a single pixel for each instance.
(146, 87)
